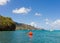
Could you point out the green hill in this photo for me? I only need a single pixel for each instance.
(6, 24)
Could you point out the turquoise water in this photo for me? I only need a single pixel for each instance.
(21, 36)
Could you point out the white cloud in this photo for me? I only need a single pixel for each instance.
(47, 21)
(21, 10)
(54, 24)
(3, 2)
(33, 24)
(38, 14)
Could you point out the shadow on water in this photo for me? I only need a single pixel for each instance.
(6, 36)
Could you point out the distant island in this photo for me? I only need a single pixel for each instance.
(22, 26)
(7, 24)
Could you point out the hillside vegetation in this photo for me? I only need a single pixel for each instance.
(6, 24)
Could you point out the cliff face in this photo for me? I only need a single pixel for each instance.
(6, 24)
(21, 26)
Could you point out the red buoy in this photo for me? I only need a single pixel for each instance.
(30, 34)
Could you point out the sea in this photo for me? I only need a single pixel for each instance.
(21, 36)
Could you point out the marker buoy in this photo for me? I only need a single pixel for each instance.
(30, 34)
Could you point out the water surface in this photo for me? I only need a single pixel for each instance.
(21, 36)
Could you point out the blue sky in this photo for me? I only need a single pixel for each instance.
(39, 13)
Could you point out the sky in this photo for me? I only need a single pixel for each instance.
(39, 13)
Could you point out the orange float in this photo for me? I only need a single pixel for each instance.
(30, 34)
